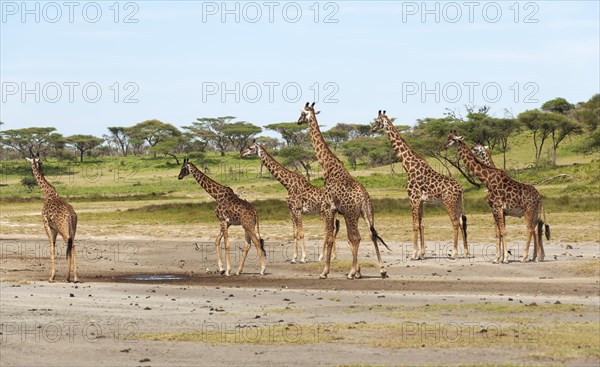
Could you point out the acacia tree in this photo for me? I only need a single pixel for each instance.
(83, 143)
(291, 132)
(336, 136)
(502, 130)
(588, 115)
(240, 133)
(212, 131)
(119, 137)
(546, 125)
(30, 141)
(298, 155)
(153, 132)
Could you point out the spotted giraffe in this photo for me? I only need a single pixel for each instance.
(426, 185)
(303, 198)
(506, 197)
(231, 210)
(59, 218)
(342, 195)
(483, 154)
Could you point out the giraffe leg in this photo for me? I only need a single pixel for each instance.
(218, 248)
(451, 209)
(530, 233)
(295, 233)
(502, 228)
(422, 231)
(52, 238)
(416, 229)
(354, 239)
(247, 247)
(259, 248)
(498, 236)
(329, 220)
(227, 253)
(300, 227)
(75, 278)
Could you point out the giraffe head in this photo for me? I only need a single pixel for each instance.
(306, 113)
(479, 150)
(379, 121)
(185, 169)
(252, 149)
(36, 163)
(452, 140)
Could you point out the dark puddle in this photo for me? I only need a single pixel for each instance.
(152, 278)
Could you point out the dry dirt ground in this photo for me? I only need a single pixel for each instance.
(156, 302)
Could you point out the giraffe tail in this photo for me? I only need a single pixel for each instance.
(262, 247)
(464, 226)
(69, 247)
(463, 217)
(337, 227)
(375, 235)
(546, 225)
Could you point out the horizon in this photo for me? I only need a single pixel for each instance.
(84, 66)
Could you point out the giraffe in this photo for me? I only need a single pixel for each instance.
(426, 185)
(59, 218)
(506, 197)
(342, 194)
(231, 210)
(302, 197)
(483, 154)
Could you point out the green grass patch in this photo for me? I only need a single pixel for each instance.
(253, 334)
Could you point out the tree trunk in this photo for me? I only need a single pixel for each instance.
(81, 155)
(174, 156)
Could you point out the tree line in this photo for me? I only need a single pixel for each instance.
(554, 121)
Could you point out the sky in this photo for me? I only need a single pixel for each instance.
(84, 66)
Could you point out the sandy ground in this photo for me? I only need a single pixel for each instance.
(156, 302)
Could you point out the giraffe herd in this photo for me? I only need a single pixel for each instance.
(341, 194)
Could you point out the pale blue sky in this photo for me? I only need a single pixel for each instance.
(378, 55)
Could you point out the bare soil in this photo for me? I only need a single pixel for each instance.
(155, 302)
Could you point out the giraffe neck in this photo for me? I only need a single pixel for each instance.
(487, 158)
(282, 174)
(405, 154)
(328, 161)
(214, 189)
(47, 189)
(482, 171)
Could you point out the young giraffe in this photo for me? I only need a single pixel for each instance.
(231, 210)
(302, 197)
(506, 197)
(426, 185)
(342, 194)
(483, 154)
(59, 218)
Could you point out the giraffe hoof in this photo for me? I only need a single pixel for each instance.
(293, 261)
(384, 274)
(505, 262)
(495, 262)
(238, 273)
(222, 272)
(357, 276)
(302, 261)
(323, 276)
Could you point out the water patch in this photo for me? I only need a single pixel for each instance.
(152, 277)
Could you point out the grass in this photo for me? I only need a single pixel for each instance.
(254, 334)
